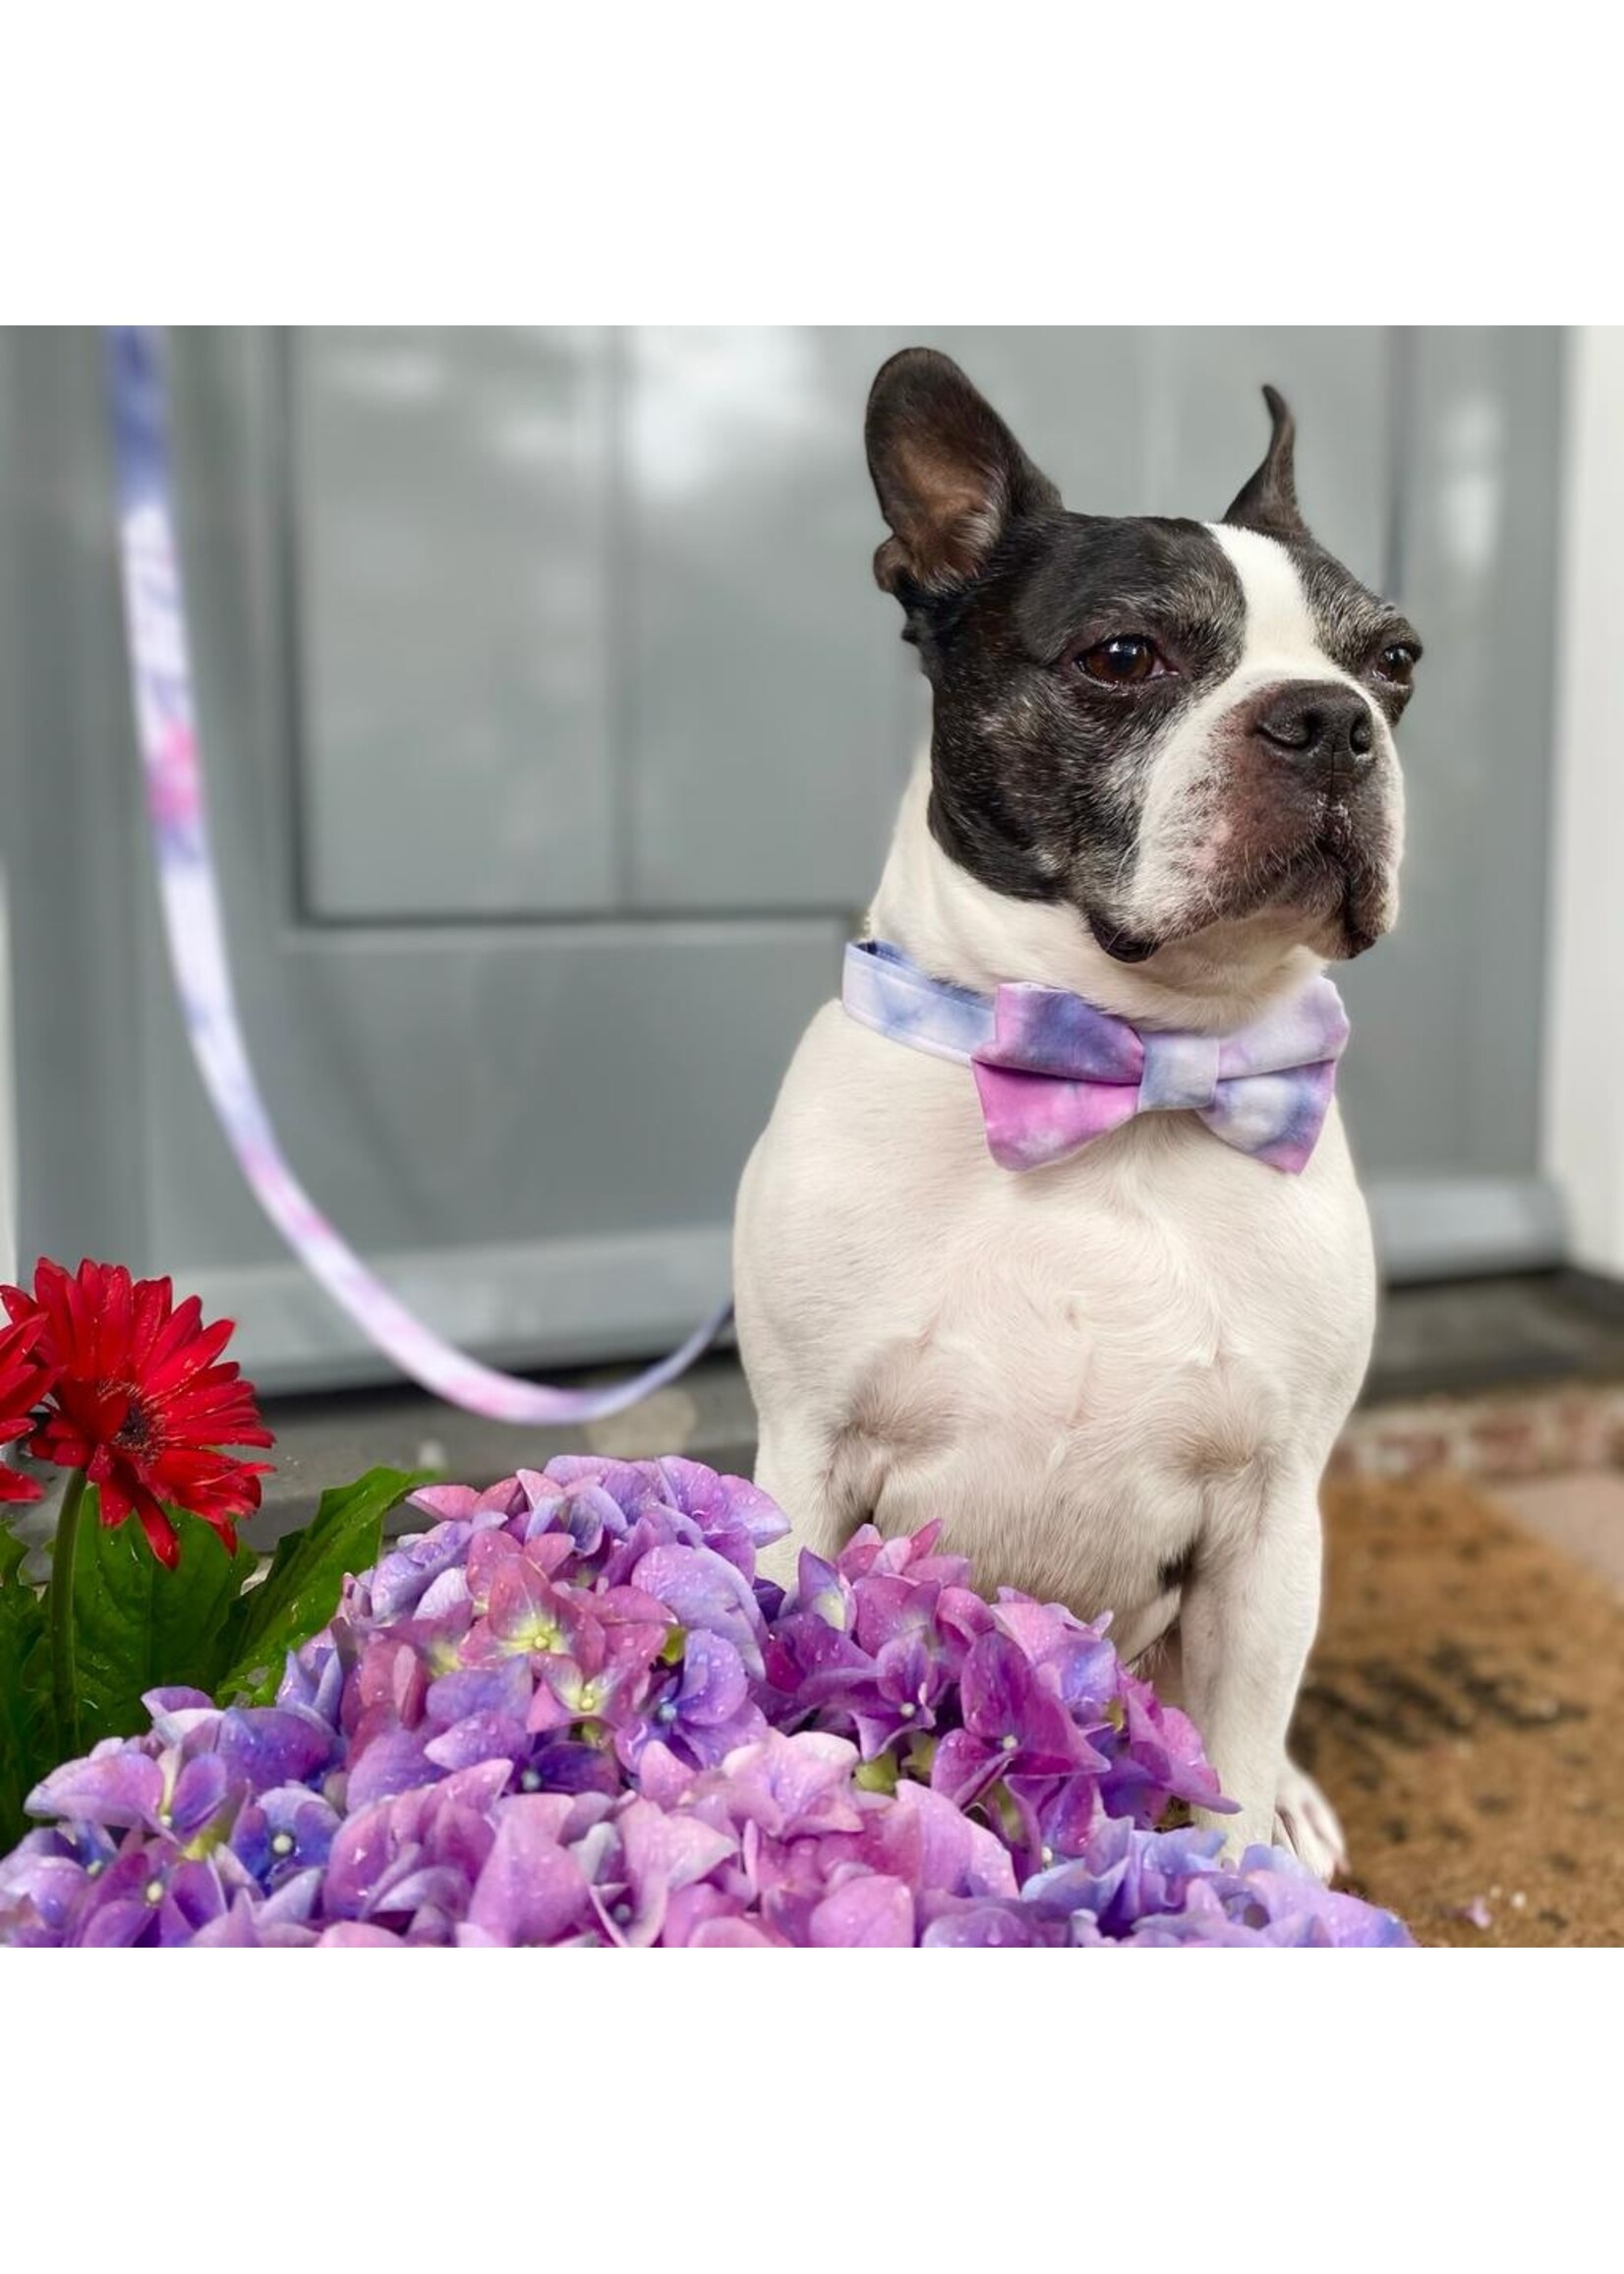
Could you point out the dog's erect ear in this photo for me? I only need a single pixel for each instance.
(1268, 500)
(950, 475)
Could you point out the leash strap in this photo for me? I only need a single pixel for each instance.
(160, 672)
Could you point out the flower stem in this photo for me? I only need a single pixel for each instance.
(64, 1639)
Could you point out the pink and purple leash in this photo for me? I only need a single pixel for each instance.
(160, 672)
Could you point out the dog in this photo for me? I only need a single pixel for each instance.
(1161, 778)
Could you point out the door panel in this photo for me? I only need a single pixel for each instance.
(766, 720)
(450, 533)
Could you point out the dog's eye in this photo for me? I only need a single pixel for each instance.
(1396, 663)
(1123, 661)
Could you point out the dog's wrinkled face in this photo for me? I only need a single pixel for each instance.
(1168, 725)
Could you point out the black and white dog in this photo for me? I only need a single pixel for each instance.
(1161, 778)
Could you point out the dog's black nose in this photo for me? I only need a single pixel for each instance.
(1319, 725)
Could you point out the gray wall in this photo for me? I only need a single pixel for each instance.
(554, 727)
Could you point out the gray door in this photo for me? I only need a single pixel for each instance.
(554, 729)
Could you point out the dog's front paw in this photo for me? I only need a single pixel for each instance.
(1305, 1822)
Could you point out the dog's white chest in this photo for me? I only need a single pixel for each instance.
(1083, 1369)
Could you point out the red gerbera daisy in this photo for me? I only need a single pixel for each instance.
(140, 1402)
(24, 1377)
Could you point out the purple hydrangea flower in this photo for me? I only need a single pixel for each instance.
(570, 1712)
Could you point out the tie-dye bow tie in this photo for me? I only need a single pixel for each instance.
(1054, 1073)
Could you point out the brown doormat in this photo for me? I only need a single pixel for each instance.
(1464, 1711)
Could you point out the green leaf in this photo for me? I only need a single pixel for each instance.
(139, 1627)
(28, 1731)
(300, 1592)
